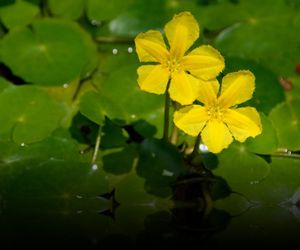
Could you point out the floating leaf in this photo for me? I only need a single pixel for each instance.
(266, 142)
(103, 10)
(133, 20)
(263, 35)
(20, 13)
(32, 115)
(71, 9)
(96, 107)
(113, 136)
(4, 84)
(238, 166)
(50, 52)
(121, 87)
(160, 164)
(286, 120)
(120, 161)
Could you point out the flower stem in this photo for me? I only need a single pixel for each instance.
(174, 135)
(97, 145)
(286, 155)
(167, 113)
(196, 146)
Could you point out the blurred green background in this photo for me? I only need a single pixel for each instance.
(68, 68)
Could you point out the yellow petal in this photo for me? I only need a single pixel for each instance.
(216, 136)
(153, 78)
(236, 88)
(208, 91)
(191, 119)
(243, 122)
(150, 47)
(184, 88)
(204, 62)
(182, 31)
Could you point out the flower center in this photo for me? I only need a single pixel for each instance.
(215, 112)
(173, 65)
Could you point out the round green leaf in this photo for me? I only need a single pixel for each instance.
(96, 107)
(20, 13)
(120, 161)
(71, 9)
(279, 187)
(286, 120)
(104, 10)
(266, 142)
(50, 52)
(117, 82)
(4, 84)
(238, 166)
(32, 114)
(133, 20)
(160, 164)
(268, 33)
(113, 136)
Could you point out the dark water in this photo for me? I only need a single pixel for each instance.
(93, 222)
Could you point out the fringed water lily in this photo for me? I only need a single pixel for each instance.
(219, 120)
(181, 71)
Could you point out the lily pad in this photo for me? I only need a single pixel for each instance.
(263, 35)
(133, 20)
(20, 13)
(71, 9)
(120, 161)
(32, 115)
(238, 166)
(4, 84)
(120, 86)
(286, 120)
(96, 107)
(103, 10)
(50, 52)
(266, 142)
(160, 164)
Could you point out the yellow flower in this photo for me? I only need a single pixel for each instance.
(202, 63)
(219, 120)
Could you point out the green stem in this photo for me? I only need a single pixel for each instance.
(286, 155)
(174, 135)
(196, 146)
(97, 145)
(167, 113)
(111, 39)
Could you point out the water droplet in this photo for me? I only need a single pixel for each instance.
(130, 49)
(115, 51)
(78, 196)
(22, 144)
(203, 148)
(97, 23)
(94, 167)
(66, 85)
(167, 173)
(251, 182)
